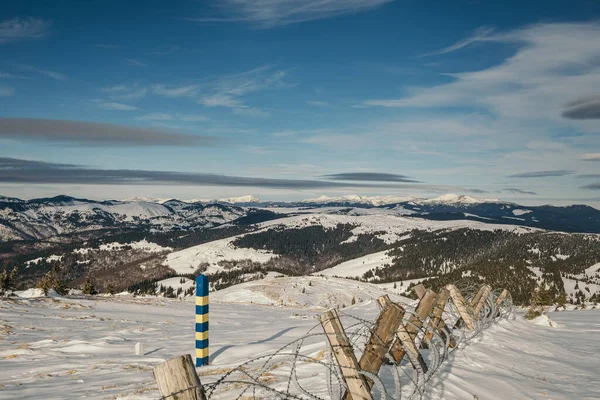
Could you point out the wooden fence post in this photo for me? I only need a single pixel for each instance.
(484, 297)
(419, 290)
(459, 302)
(358, 387)
(423, 309)
(475, 300)
(381, 337)
(437, 314)
(501, 298)
(176, 375)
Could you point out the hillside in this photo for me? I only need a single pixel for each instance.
(86, 347)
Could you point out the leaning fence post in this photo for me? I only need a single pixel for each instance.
(501, 298)
(477, 297)
(358, 387)
(379, 342)
(437, 316)
(177, 379)
(484, 297)
(461, 306)
(419, 290)
(412, 328)
(202, 356)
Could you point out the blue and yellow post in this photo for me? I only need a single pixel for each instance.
(201, 321)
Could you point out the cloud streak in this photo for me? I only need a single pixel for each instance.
(591, 157)
(543, 174)
(370, 177)
(114, 106)
(51, 74)
(593, 186)
(267, 14)
(482, 34)
(39, 172)
(585, 108)
(94, 133)
(16, 29)
(519, 191)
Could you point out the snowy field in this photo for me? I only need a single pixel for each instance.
(356, 267)
(78, 348)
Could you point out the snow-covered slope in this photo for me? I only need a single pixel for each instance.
(357, 267)
(211, 254)
(309, 291)
(86, 349)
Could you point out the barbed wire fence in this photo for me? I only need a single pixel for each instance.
(398, 353)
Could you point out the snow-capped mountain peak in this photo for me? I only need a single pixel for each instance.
(458, 199)
(356, 199)
(241, 199)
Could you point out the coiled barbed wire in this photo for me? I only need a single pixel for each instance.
(296, 370)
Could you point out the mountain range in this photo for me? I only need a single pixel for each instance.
(47, 217)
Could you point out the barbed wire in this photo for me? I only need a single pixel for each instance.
(296, 370)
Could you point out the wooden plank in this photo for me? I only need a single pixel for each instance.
(176, 375)
(404, 338)
(358, 387)
(501, 298)
(437, 314)
(419, 290)
(477, 297)
(484, 297)
(380, 340)
(408, 332)
(463, 309)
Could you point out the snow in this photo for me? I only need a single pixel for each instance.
(308, 292)
(357, 267)
(35, 292)
(188, 260)
(594, 269)
(356, 199)
(241, 199)
(544, 320)
(75, 348)
(176, 284)
(457, 199)
(394, 227)
(51, 258)
(139, 245)
(521, 212)
(517, 359)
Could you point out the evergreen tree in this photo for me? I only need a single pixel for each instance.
(89, 287)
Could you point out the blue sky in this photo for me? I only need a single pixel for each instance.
(277, 97)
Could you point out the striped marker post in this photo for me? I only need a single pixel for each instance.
(201, 321)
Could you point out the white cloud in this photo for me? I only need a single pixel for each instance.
(591, 157)
(16, 29)
(114, 106)
(171, 117)
(52, 74)
(273, 13)
(135, 63)
(175, 91)
(554, 65)
(126, 92)
(482, 34)
(228, 90)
